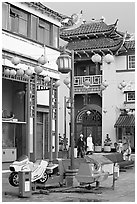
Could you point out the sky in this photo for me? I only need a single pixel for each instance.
(111, 11)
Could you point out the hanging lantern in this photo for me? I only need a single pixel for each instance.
(57, 84)
(28, 71)
(120, 86)
(86, 83)
(66, 81)
(105, 84)
(46, 79)
(7, 72)
(64, 63)
(20, 72)
(42, 60)
(15, 60)
(26, 76)
(12, 72)
(96, 58)
(102, 87)
(109, 58)
(38, 69)
(123, 84)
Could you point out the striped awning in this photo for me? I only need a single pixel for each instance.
(125, 121)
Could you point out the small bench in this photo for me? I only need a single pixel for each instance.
(118, 158)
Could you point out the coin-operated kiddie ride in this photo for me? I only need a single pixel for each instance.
(97, 169)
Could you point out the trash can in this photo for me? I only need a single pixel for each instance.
(25, 184)
(116, 171)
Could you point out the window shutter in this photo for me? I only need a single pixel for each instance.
(33, 27)
(5, 16)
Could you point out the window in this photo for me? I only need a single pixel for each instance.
(130, 96)
(44, 32)
(18, 21)
(29, 25)
(55, 36)
(131, 62)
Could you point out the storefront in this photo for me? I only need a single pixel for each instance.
(125, 128)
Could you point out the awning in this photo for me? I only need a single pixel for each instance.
(125, 121)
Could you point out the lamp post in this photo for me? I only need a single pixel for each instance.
(66, 64)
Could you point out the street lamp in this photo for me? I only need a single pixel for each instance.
(64, 66)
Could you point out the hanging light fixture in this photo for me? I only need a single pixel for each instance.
(26, 76)
(123, 83)
(57, 84)
(105, 84)
(86, 83)
(29, 71)
(46, 79)
(96, 58)
(108, 58)
(12, 72)
(102, 87)
(42, 60)
(64, 63)
(15, 60)
(20, 72)
(7, 72)
(66, 81)
(38, 69)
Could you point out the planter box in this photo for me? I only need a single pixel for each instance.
(98, 148)
(107, 148)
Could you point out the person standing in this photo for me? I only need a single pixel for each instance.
(80, 146)
(90, 145)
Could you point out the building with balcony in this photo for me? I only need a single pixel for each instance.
(30, 47)
(104, 86)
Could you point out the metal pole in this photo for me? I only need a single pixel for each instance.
(65, 120)
(56, 127)
(50, 121)
(72, 109)
(28, 118)
(35, 119)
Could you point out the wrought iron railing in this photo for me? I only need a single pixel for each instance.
(94, 80)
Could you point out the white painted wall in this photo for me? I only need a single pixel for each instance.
(109, 98)
(112, 97)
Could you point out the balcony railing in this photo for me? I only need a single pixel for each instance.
(95, 82)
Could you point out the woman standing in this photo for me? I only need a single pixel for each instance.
(90, 145)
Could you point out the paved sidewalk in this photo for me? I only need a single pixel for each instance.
(124, 191)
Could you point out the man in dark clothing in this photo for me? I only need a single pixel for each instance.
(81, 146)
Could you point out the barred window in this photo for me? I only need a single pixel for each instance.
(131, 62)
(131, 96)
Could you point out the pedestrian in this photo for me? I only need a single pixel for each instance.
(90, 145)
(127, 151)
(81, 146)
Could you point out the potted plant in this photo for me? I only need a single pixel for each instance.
(98, 146)
(107, 144)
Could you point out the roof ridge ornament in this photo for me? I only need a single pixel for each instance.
(72, 22)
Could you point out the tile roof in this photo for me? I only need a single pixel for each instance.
(125, 121)
(96, 43)
(130, 44)
(88, 28)
(42, 6)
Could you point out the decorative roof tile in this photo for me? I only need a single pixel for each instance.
(130, 44)
(96, 43)
(88, 28)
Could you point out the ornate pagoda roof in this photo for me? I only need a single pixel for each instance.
(98, 37)
(87, 30)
